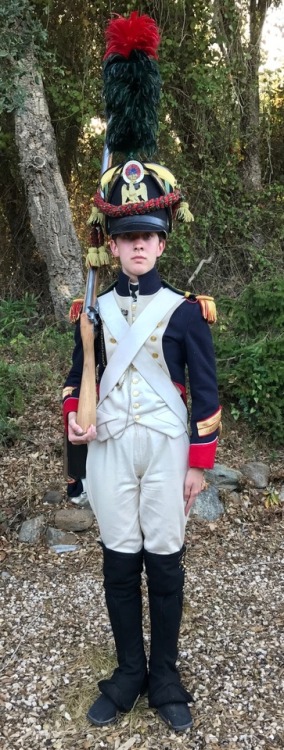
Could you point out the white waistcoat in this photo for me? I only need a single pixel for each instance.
(132, 400)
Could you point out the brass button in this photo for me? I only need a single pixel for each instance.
(133, 368)
(159, 324)
(112, 341)
(136, 406)
(136, 417)
(155, 355)
(153, 338)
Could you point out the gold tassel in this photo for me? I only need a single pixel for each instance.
(96, 217)
(183, 213)
(92, 259)
(103, 256)
(93, 216)
(97, 257)
(100, 217)
(208, 307)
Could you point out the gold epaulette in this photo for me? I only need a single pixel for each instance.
(75, 310)
(207, 304)
(208, 307)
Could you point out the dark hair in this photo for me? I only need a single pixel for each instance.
(161, 235)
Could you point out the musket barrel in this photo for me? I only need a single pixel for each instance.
(106, 159)
(89, 293)
(89, 290)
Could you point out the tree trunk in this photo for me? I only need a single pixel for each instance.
(243, 59)
(249, 128)
(49, 210)
(250, 105)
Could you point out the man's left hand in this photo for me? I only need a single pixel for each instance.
(194, 484)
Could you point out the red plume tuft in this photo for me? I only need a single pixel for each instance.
(75, 310)
(136, 32)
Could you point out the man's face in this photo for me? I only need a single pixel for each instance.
(137, 251)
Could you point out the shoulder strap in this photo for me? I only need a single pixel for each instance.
(144, 325)
(129, 349)
(130, 338)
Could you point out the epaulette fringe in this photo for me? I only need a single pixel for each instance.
(207, 304)
(208, 307)
(75, 310)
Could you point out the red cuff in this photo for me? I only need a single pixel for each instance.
(70, 404)
(182, 390)
(202, 455)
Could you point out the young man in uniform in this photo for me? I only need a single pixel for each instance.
(143, 476)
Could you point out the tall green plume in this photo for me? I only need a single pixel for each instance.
(132, 85)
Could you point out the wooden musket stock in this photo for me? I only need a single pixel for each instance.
(87, 400)
(88, 397)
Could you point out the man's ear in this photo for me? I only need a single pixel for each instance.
(162, 245)
(114, 248)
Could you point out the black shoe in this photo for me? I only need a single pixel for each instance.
(103, 712)
(176, 715)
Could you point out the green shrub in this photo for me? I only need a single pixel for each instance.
(18, 317)
(249, 343)
(35, 358)
(57, 346)
(12, 399)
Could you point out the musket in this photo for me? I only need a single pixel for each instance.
(130, 57)
(88, 323)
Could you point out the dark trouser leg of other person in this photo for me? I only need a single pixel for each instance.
(75, 457)
(165, 585)
(122, 582)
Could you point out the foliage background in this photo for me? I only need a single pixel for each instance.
(206, 136)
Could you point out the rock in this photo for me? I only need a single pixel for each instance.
(257, 472)
(223, 476)
(61, 548)
(208, 505)
(56, 536)
(32, 529)
(73, 519)
(53, 497)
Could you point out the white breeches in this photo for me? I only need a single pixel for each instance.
(135, 487)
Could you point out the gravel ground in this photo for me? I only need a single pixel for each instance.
(56, 642)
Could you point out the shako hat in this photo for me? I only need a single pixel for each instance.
(138, 197)
(135, 195)
(137, 186)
